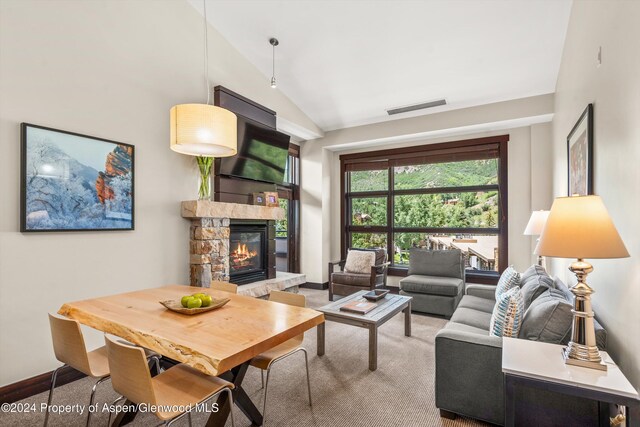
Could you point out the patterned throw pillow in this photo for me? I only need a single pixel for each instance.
(510, 278)
(507, 314)
(360, 262)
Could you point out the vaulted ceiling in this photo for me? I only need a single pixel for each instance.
(345, 62)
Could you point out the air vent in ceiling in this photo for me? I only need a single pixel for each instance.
(416, 107)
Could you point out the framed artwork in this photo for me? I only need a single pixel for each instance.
(580, 155)
(271, 198)
(258, 199)
(73, 182)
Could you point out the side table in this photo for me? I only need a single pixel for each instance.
(540, 365)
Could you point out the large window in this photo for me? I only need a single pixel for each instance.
(438, 196)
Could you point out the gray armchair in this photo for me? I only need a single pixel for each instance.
(345, 283)
(435, 281)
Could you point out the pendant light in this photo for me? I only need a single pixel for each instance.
(203, 129)
(273, 42)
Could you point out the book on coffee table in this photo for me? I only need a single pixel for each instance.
(359, 306)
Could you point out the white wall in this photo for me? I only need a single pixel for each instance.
(111, 69)
(614, 88)
(320, 220)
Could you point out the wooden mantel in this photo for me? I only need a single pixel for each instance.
(210, 209)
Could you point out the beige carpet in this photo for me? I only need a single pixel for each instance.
(344, 391)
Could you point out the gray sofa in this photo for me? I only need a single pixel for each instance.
(435, 281)
(469, 379)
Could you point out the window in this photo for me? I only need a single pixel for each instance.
(437, 196)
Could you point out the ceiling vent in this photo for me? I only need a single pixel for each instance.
(416, 107)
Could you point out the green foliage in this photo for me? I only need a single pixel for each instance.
(369, 180)
(282, 225)
(453, 174)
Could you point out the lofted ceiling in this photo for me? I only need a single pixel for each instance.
(345, 62)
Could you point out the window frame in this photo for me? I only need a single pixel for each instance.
(470, 149)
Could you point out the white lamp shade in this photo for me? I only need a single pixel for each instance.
(580, 227)
(536, 223)
(203, 130)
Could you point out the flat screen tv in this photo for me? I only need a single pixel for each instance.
(262, 154)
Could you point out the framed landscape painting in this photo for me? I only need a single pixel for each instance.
(580, 155)
(73, 182)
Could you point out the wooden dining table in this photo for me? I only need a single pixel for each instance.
(220, 342)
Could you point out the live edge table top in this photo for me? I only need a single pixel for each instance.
(386, 308)
(212, 342)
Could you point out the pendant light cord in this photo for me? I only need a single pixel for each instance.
(206, 53)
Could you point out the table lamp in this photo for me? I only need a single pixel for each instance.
(580, 227)
(534, 228)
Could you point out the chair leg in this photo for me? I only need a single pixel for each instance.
(54, 376)
(264, 404)
(190, 419)
(230, 395)
(114, 403)
(93, 395)
(306, 362)
(262, 377)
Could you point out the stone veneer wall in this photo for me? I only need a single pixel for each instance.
(209, 250)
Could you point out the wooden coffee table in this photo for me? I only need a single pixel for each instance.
(388, 307)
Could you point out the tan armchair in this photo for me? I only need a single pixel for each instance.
(346, 283)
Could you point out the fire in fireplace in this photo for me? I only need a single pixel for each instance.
(248, 253)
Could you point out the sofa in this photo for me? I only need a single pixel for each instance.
(469, 379)
(435, 281)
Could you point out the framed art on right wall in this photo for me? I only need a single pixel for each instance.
(580, 155)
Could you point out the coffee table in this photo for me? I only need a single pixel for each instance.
(387, 307)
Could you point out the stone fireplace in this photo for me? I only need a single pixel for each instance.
(230, 242)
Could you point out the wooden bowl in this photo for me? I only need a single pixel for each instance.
(178, 308)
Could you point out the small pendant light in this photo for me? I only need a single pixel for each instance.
(203, 129)
(274, 42)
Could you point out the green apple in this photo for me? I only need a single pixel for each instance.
(185, 299)
(198, 295)
(206, 300)
(194, 303)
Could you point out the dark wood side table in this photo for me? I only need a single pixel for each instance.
(540, 365)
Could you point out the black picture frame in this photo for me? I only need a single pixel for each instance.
(580, 155)
(77, 176)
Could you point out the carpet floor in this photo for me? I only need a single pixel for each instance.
(345, 393)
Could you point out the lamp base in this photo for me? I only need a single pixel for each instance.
(582, 349)
(585, 363)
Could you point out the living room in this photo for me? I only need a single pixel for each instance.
(510, 87)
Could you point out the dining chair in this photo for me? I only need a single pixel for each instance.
(171, 391)
(224, 286)
(266, 360)
(70, 349)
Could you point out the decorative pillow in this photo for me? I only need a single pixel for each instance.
(533, 282)
(548, 319)
(507, 314)
(510, 278)
(360, 261)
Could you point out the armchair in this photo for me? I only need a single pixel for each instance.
(346, 283)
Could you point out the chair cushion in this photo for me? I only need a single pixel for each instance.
(359, 261)
(351, 279)
(533, 282)
(381, 257)
(432, 285)
(506, 319)
(471, 317)
(509, 278)
(477, 303)
(436, 263)
(461, 327)
(548, 319)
